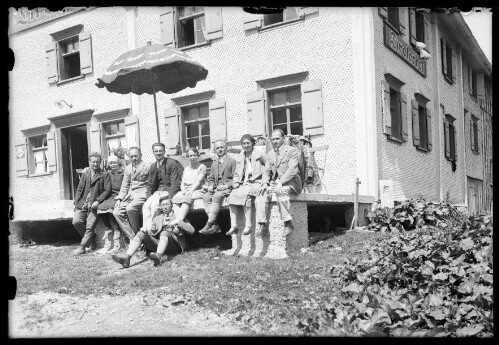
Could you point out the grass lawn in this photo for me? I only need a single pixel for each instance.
(261, 296)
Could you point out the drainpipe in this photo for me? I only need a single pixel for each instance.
(459, 84)
(131, 29)
(436, 110)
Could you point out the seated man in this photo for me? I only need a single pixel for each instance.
(132, 194)
(94, 187)
(164, 237)
(219, 186)
(280, 176)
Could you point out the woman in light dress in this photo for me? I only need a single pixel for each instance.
(191, 187)
(246, 183)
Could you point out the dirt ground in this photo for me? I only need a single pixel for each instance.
(157, 313)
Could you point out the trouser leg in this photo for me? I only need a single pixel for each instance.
(216, 201)
(133, 212)
(135, 243)
(167, 245)
(163, 243)
(284, 206)
(247, 213)
(92, 219)
(184, 209)
(262, 205)
(207, 203)
(122, 219)
(233, 211)
(79, 219)
(146, 212)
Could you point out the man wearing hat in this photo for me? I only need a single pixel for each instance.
(282, 177)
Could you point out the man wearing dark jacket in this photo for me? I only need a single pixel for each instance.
(164, 178)
(94, 187)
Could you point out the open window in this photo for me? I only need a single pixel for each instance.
(393, 16)
(448, 61)
(474, 134)
(450, 138)
(419, 26)
(35, 152)
(394, 105)
(421, 123)
(472, 81)
(69, 56)
(287, 15)
(190, 26)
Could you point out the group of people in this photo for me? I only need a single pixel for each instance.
(120, 195)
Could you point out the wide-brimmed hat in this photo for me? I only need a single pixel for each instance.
(304, 138)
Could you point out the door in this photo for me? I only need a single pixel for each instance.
(74, 156)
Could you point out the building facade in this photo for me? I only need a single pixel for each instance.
(345, 76)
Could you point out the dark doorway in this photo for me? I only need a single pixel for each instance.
(74, 147)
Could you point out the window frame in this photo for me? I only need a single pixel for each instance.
(178, 27)
(31, 155)
(452, 139)
(286, 106)
(473, 83)
(474, 134)
(394, 26)
(184, 123)
(422, 115)
(62, 63)
(419, 24)
(448, 61)
(284, 21)
(105, 137)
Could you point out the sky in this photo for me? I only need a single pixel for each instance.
(480, 24)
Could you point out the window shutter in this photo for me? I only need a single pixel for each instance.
(402, 20)
(480, 86)
(172, 133)
(453, 147)
(412, 25)
(307, 10)
(95, 137)
(447, 139)
(454, 68)
(444, 56)
(132, 133)
(213, 22)
(22, 157)
(385, 106)
(85, 53)
(383, 11)
(470, 79)
(166, 26)
(478, 136)
(427, 28)
(218, 123)
(311, 104)
(51, 156)
(256, 113)
(429, 127)
(403, 115)
(415, 123)
(472, 135)
(52, 71)
(252, 21)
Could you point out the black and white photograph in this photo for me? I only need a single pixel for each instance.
(205, 171)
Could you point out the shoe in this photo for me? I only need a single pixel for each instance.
(156, 259)
(106, 234)
(247, 231)
(288, 228)
(205, 229)
(80, 250)
(124, 261)
(215, 229)
(232, 231)
(93, 244)
(262, 230)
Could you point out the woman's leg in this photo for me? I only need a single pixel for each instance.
(184, 209)
(233, 211)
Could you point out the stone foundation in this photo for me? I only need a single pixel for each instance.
(273, 245)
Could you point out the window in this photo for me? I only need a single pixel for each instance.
(197, 126)
(287, 14)
(38, 154)
(395, 113)
(393, 17)
(114, 136)
(286, 111)
(448, 68)
(474, 134)
(420, 36)
(394, 105)
(69, 58)
(450, 138)
(69, 55)
(421, 123)
(417, 23)
(191, 24)
(472, 81)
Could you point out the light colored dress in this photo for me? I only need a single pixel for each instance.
(189, 177)
(249, 175)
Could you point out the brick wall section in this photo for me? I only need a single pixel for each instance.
(452, 182)
(32, 98)
(413, 172)
(474, 161)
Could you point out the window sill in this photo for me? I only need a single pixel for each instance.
(285, 23)
(474, 98)
(40, 174)
(70, 79)
(476, 152)
(422, 149)
(197, 45)
(449, 80)
(451, 160)
(391, 26)
(394, 139)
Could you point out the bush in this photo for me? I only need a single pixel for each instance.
(419, 283)
(414, 214)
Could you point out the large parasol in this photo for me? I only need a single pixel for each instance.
(150, 69)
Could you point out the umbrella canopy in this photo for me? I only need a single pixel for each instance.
(133, 71)
(150, 69)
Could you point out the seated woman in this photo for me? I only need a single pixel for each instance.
(164, 238)
(191, 186)
(106, 207)
(247, 177)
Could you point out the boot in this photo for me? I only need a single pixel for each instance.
(215, 229)
(288, 228)
(92, 245)
(156, 258)
(247, 230)
(80, 250)
(108, 242)
(232, 230)
(124, 260)
(262, 230)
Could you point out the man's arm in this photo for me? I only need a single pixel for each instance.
(107, 188)
(238, 171)
(151, 180)
(175, 171)
(211, 177)
(80, 188)
(125, 185)
(292, 166)
(232, 168)
(266, 171)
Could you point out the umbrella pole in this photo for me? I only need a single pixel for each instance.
(155, 108)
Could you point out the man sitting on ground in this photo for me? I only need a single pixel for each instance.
(163, 238)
